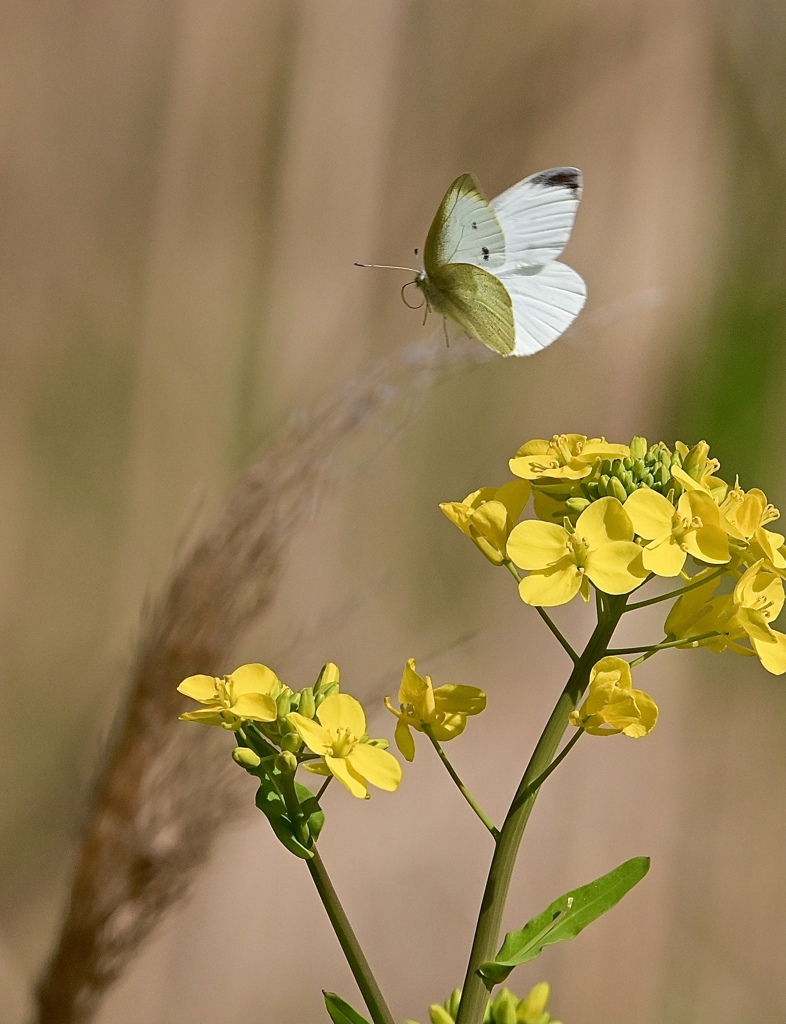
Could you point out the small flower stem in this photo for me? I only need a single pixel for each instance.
(546, 618)
(460, 785)
(288, 791)
(654, 648)
(473, 1000)
(321, 791)
(366, 982)
(677, 593)
(535, 785)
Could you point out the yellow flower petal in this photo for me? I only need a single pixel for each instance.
(255, 707)
(556, 585)
(537, 545)
(315, 736)
(514, 496)
(453, 698)
(347, 775)
(448, 727)
(206, 716)
(772, 655)
(253, 679)
(616, 567)
(412, 683)
(650, 513)
(605, 520)
(201, 688)
(377, 766)
(404, 740)
(340, 711)
(664, 557)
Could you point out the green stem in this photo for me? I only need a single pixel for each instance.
(473, 1000)
(366, 982)
(654, 648)
(546, 618)
(677, 593)
(535, 785)
(460, 785)
(321, 791)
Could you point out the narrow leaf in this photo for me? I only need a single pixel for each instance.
(340, 1011)
(564, 919)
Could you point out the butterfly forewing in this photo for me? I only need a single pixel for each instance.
(477, 301)
(537, 215)
(545, 300)
(464, 230)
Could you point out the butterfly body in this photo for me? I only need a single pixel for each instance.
(492, 267)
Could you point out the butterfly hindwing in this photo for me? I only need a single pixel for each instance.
(464, 230)
(537, 215)
(477, 301)
(545, 302)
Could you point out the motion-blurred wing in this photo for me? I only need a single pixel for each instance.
(537, 215)
(464, 230)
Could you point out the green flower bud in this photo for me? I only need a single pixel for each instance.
(616, 490)
(439, 1015)
(286, 762)
(627, 462)
(246, 758)
(329, 675)
(605, 467)
(603, 486)
(696, 460)
(307, 705)
(326, 691)
(383, 744)
(639, 469)
(284, 703)
(638, 448)
(504, 1006)
(577, 505)
(291, 742)
(662, 476)
(532, 1008)
(452, 1002)
(649, 479)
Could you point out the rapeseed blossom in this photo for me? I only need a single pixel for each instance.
(442, 711)
(487, 516)
(338, 736)
(612, 705)
(247, 694)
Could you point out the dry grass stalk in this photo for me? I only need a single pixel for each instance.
(153, 821)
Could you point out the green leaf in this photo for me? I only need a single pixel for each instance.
(271, 803)
(315, 816)
(564, 919)
(340, 1011)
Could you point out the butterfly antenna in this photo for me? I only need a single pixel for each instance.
(385, 266)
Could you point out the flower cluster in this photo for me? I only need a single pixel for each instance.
(271, 718)
(614, 516)
(504, 1008)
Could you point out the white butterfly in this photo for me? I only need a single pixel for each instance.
(492, 266)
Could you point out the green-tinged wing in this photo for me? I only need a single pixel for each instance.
(464, 230)
(476, 300)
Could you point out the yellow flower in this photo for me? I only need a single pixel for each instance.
(612, 705)
(749, 512)
(745, 614)
(562, 563)
(337, 737)
(487, 516)
(693, 528)
(443, 711)
(564, 457)
(247, 694)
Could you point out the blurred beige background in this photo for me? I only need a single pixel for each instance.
(185, 187)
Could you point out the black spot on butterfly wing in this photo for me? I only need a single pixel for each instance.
(568, 177)
(474, 226)
(486, 252)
